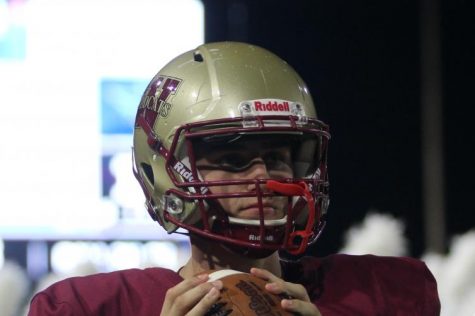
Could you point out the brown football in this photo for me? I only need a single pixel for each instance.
(244, 295)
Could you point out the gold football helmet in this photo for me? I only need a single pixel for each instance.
(221, 94)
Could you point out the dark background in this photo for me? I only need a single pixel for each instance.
(362, 60)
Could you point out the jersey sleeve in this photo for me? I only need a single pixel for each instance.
(44, 305)
(128, 292)
(368, 285)
(406, 284)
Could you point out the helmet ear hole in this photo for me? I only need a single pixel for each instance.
(148, 171)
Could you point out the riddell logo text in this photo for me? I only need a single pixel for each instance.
(186, 174)
(272, 106)
(256, 237)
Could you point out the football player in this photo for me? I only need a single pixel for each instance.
(228, 150)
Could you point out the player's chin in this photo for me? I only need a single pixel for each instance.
(270, 213)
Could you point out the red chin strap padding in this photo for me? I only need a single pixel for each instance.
(297, 189)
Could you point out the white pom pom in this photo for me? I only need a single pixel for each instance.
(379, 234)
(14, 286)
(455, 275)
(461, 264)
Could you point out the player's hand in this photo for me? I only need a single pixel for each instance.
(191, 297)
(298, 303)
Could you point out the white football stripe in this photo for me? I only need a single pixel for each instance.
(221, 274)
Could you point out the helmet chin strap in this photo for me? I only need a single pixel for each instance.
(297, 189)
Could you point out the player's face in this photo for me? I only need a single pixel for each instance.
(252, 159)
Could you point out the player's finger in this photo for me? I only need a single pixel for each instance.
(263, 274)
(291, 290)
(186, 285)
(187, 300)
(295, 296)
(300, 307)
(278, 286)
(183, 296)
(206, 303)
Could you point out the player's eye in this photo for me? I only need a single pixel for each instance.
(232, 162)
(277, 161)
(242, 161)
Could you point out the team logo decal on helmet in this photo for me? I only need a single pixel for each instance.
(154, 101)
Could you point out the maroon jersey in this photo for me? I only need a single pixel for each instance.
(338, 285)
(366, 285)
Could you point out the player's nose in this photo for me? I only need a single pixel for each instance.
(258, 171)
